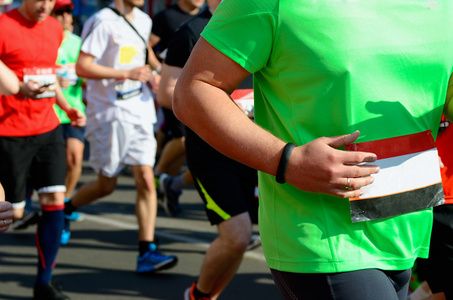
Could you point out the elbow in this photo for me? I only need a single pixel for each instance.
(177, 104)
(80, 70)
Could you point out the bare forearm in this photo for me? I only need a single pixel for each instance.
(95, 71)
(60, 98)
(169, 77)
(9, 84)
(153, 61)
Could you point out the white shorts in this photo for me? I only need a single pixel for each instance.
(118, 144)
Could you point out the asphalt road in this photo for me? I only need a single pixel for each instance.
(99, 261)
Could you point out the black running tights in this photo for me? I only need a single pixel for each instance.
(369, 284)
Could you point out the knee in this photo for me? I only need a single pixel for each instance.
(106, 189)
(145, 182)
(74, 161)
(238, 244)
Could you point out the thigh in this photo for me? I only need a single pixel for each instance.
(48, 169)
(370, 284)
(16, 154)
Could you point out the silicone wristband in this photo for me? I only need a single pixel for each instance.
(284, 159)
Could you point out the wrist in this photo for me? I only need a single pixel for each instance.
(157, 70)
(125, 74)
(22, 88)
(283, 164)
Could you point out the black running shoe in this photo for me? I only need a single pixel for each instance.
(49, 291)
(28, 219)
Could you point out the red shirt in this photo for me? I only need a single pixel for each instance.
(444, 145)
(34, 46)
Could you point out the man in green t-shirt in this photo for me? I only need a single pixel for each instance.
(346, 224)
(71, 86)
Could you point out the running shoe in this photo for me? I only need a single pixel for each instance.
(28, 219)
(255, 241)
(50, 291)
(66, 233)
(153, 261)
(74, 216)
(188, 294)
(170, 197)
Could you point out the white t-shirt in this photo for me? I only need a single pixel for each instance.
(113, 43)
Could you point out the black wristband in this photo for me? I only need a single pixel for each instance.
(284, 159)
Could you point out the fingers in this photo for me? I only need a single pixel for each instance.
(142, 74)
(343, 193)
(354, 157)
(355, 183)
(4, 224)
(343, 140)
(354, 177)
(6, 216)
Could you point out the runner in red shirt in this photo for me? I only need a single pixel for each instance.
(30, 136)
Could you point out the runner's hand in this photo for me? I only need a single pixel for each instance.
(31, 89)
(77, 118)
(64, 82)
(142, 74)
(6, 213)
(155, 82)
(319, 167)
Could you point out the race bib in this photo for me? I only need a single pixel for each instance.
(43, 77)
(126, 88)
(409, 177)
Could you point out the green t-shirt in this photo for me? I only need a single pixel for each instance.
(326, 68)
(67, 58)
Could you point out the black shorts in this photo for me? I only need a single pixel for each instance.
(369, 284)
(226, 187)
(436, 269)
(73, 132)
(42, 156)
(173, 127)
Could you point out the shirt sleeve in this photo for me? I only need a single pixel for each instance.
(244, 31)
(180, 47)
(157, 27)
(95, 38)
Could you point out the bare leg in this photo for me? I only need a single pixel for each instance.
(173, 150)
(94, 190)
(146, 202)
(188, 178)
(18, 213)
(74, 157)
(224, 255)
